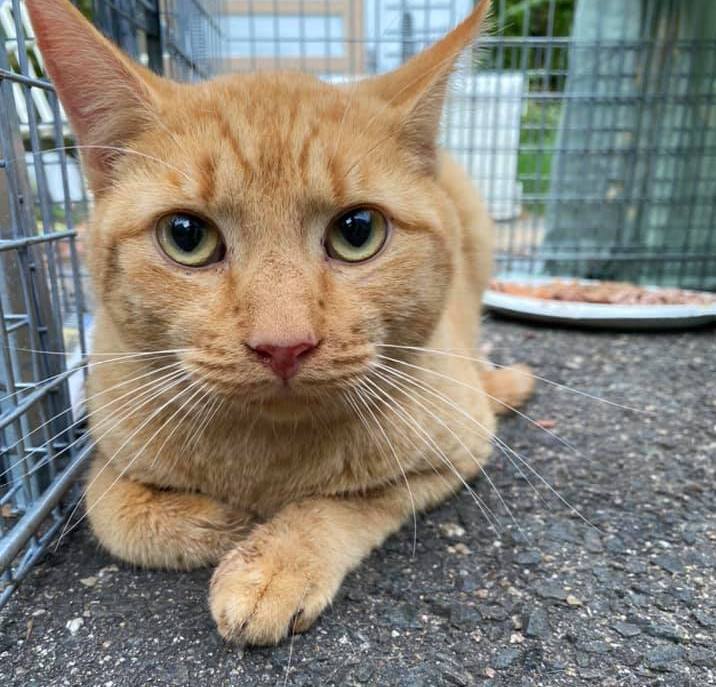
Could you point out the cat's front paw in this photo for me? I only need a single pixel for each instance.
(262, 593)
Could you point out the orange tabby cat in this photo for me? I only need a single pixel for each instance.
(286, 248)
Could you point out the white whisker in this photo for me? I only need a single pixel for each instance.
(402, 414)
(530, 374)
(124, 358)
(118, 149)
(432, 391)
(517, 411)
(166, 387)
(120, 354)
(504, 448)
(131, 462)
(84, 417)
(201, 390)
(400, 466)
(48, 460)
(473, 424)
(463, 445)
(209, 413)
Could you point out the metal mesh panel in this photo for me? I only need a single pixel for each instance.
(43, 313)
(194, 40)
(590, 126)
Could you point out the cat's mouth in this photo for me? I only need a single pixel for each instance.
(298, 400)
(309, 388)
(281, 386)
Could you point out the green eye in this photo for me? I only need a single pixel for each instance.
(190, 240)
(357, 235)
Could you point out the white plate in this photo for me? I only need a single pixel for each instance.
(598, 315)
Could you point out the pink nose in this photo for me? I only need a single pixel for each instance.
(284, 360)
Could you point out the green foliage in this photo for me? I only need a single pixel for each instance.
(518, 11)
(533, 19)
(545, 66)
(85, 6)
(538, 134)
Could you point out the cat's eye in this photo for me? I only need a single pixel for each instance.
(190, 240)
(356, 235)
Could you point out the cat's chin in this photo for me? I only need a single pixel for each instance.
(291, 403)
(295, 409)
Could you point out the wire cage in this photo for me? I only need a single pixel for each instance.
(44, 313)
(588, 125)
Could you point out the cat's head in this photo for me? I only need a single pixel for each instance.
(276, 226)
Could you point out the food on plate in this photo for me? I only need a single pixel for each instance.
(609, 292)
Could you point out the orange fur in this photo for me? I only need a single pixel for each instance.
(285, 486)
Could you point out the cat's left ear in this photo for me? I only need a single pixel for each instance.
(418, 88)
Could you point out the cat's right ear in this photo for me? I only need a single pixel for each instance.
(108, 98)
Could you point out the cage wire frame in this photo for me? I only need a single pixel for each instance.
(44, 313)
(589, 126)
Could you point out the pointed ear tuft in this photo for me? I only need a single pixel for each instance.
(418, 87)
(108, 98)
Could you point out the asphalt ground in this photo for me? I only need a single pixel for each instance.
(541, 599)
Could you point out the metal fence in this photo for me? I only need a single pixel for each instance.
(589, 126)
(43, 311)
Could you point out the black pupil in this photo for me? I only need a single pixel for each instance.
(187, 232)
(357, 227)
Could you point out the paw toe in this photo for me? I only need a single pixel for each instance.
(260, 609)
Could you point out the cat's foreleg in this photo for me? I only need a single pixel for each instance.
(289, 569)
(159, 528)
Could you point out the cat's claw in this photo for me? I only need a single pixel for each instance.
(261, 598)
